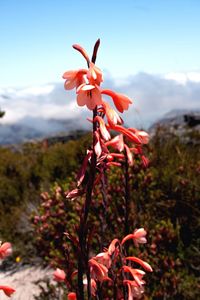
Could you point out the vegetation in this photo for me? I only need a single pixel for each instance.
(164, 200)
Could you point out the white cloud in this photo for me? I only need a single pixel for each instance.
(153, 96)
(183, 78)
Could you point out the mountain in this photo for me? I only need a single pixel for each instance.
(38, 111)
(182, 123)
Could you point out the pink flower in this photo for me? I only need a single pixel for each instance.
(143, 264)
(129, 155)
(117, 142)
(97, 270)
(5, 250)
(121, 102)
(7, 290)
(129, 134)
(104, 258)
(89, 95)
(104, 132)
(136, 274)
(141, 134)
(59, 275)
(134, 291)
(74, 78)
(138, 236)
(112, 116)
(71, 296)
(94, 75)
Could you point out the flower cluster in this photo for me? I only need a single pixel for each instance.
(92, 272)
(106, 120)
(6, 250)
(102, 264)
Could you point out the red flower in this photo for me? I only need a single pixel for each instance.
(138, 236)
(5, 250)
(112, 116)
(143, 264)
(117, 142)
(121, 101)
(59, 275)
(71, 296)
(97, 270)
(134, 291)
(7, 290)
(104, 132)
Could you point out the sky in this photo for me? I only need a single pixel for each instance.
(151, 36)
(149, 51)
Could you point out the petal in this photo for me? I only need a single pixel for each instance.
(144, 264)
(121, 101)
(82, 51)
(81, 99)
(126, 238)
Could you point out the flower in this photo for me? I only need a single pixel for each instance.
(71, 296)
(104, 132)
(59, 275)
(7, 290)
(117, 142)
(143, 264)
(134, 291)
(121, 102)
(74, 78)
(97, 270)
(5, 250)
(138, 236)
(89, 95)
(112, 116)
(136, 274)
(94, 75)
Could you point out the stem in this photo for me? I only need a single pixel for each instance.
(127, 196)
(83, 230)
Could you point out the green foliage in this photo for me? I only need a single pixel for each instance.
(164, 200)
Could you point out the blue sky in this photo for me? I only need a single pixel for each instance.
(156, 37)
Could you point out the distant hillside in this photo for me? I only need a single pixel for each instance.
(183, 123)
(37, 128)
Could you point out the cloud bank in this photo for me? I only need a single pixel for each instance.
(153, 96)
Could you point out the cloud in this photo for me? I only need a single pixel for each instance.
(153, 96)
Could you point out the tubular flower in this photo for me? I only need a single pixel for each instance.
(129, 134)
(59, 275)
(143, 264)
(89, 95)
(112, 116)
(5, 250)
(121, 101)
(97, 270)
(94, 75)
(74, 78)
(134, 291)
(138, 236)
(136, 274)
(129, 155)
(142, 134)
(117, 142)
(104, 132)
(7, 290)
